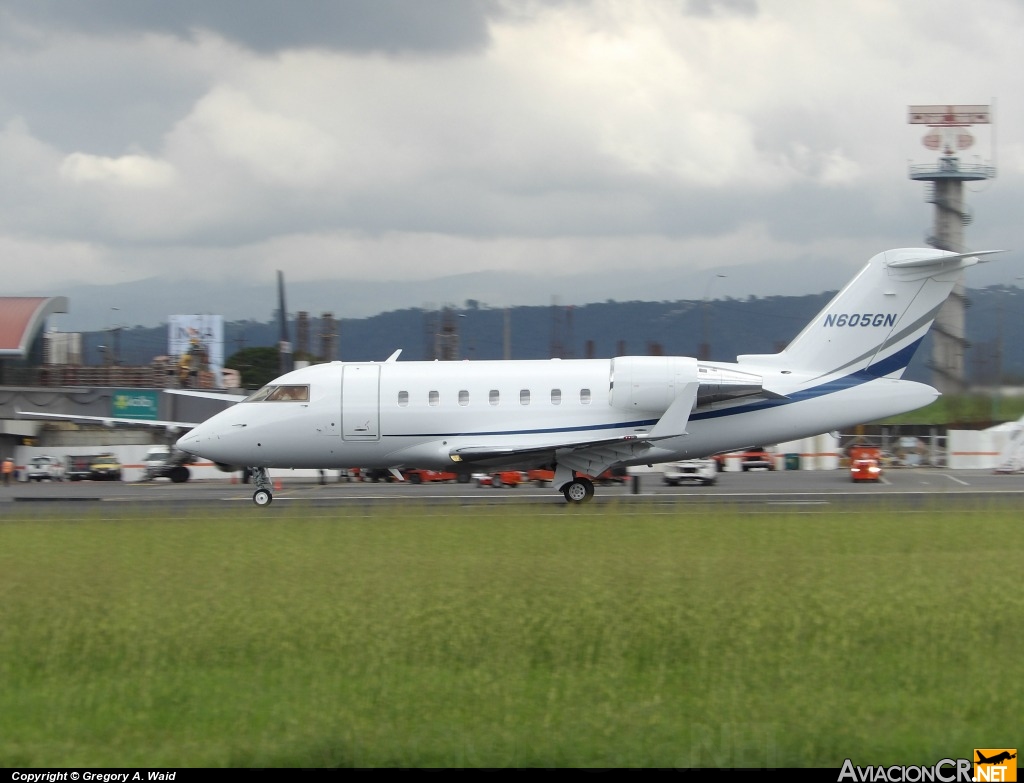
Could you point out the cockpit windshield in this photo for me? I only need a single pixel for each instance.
(272, 393)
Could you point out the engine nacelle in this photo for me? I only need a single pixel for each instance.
(651, 383)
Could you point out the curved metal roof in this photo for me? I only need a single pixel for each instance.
(21, 317)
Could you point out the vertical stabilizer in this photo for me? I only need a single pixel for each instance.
(876, 323)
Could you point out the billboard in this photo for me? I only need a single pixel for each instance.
(186, 332)
(135, 404)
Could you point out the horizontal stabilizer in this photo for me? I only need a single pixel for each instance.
(942, 260)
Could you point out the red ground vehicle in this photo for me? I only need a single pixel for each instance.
(418, 476)
(545, 477)
(865, 463)
(540, 477)
(501, 478)
(757, 458)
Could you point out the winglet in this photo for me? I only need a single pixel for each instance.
(673, 421)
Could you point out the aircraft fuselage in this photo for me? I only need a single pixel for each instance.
(415, 414)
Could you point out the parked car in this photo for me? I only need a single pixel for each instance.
(699, 471)
(105, 467)
(79, 467)
(44, 468)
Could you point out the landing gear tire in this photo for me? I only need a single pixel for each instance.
(262, 496)
(579, 490)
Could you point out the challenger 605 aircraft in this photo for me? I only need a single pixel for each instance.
(582, 417)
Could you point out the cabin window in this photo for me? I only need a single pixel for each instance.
(585, 396)
(463, 397)
(524, 396)
(403, 398)
(493, 397)
(287, 393)
(556, 396)
(433, 398)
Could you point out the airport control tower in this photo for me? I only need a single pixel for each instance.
(948, 134)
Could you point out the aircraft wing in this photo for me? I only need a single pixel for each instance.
(110, 421)
(545, 452)
(589, 457)
(107, 420)
(225, 396)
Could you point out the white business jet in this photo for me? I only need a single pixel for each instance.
(582, 417)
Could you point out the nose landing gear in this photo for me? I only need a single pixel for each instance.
(262, 496)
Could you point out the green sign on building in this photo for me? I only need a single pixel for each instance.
(136, 404)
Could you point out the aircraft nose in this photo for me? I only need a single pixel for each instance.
(215, 439)
(190, 441)
(201, 441)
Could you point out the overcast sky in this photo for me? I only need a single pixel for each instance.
(594, 149)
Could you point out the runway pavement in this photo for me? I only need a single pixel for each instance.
(907, 487)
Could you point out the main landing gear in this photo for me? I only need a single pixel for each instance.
(262, 496)
(579, 490)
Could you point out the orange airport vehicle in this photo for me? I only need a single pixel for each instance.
(865, 463)
(417, 476)
(501, 478)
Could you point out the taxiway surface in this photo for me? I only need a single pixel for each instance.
(904, 488)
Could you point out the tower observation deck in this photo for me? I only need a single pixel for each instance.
(948, 134)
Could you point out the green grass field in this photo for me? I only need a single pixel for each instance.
(612, 635)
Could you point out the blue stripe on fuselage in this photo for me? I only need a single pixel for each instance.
(898, 361)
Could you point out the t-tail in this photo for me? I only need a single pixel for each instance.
(875, 324)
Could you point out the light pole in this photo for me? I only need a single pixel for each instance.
(113, 337)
